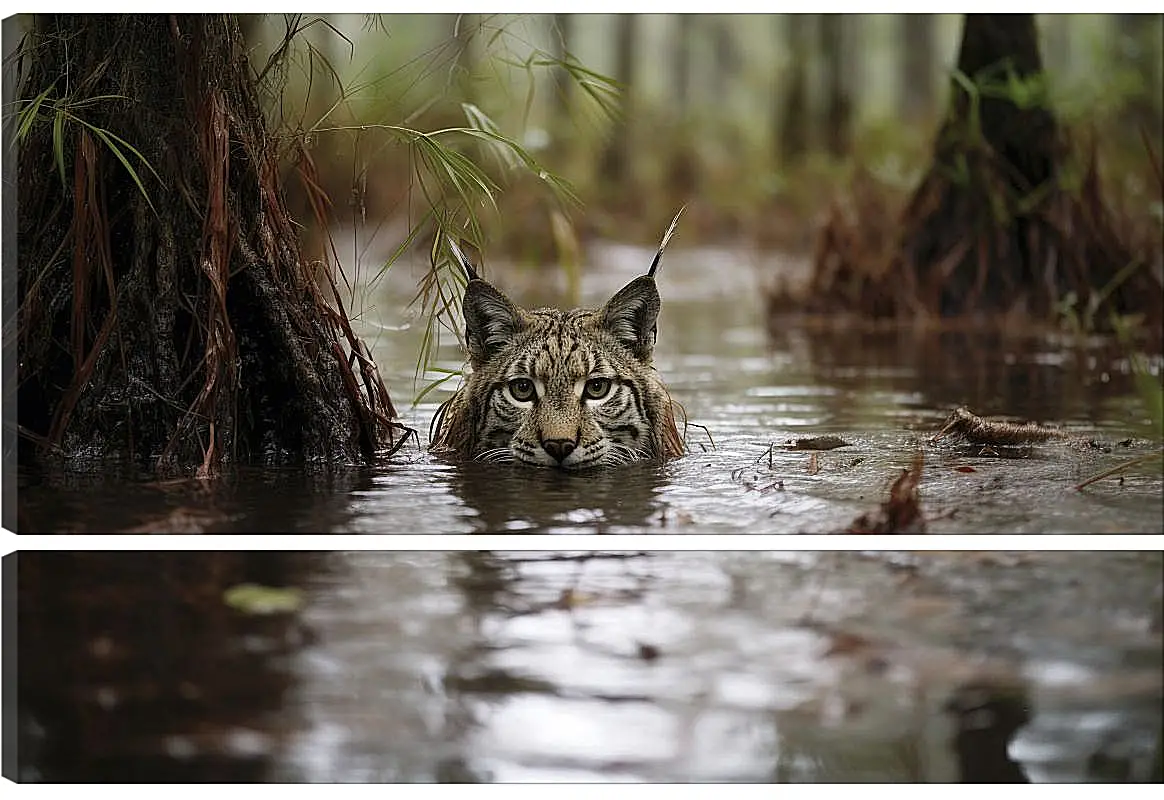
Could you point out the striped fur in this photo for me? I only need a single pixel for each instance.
(568, 389)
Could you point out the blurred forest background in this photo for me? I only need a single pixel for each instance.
(754, 121)
(929, 166)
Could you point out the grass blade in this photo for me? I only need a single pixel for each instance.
(59, 144)
(29, 114)
(108, 137)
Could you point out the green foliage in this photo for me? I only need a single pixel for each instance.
(449, 165)
(460, 102)
(1097, 96)
(60, 112)
(1080, 317)
(604, 91)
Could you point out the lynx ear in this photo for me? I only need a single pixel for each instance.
(631, 314)
(491, 321)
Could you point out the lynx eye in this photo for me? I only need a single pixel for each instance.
(596, 388)
(522, 389)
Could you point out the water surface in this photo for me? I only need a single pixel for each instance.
(749, 386)
(604, 665)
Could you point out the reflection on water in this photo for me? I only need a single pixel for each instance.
(746, 384)
(131, 668)
(538, 666)
(987, 719)
(1025, 375)
(612, 501)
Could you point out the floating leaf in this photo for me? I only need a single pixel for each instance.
(255, 599)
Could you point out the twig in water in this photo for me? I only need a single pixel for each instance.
(1121, 467)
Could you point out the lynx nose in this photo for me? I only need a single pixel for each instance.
(558, 448)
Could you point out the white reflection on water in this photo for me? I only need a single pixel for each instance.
(676, 666)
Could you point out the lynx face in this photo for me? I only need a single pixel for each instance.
(566, 389)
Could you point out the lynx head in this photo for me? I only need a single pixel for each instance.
(567, 389)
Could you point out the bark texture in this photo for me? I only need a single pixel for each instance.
(1008, 219)
(183, 330)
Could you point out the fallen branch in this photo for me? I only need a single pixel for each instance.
(963, 424)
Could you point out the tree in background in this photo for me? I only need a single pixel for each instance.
(839, 58)
(1143, 112)
(792, 124)
(165, 311)
(1004, 220)
(681, 176)
(614, 166)
(917, 66)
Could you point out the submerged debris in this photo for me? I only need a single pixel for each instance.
(901, 513)
(965, 425)
(648, 652)
(817, 443)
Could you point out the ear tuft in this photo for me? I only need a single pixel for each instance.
(491, 321)
(458, 252)
(631, 315)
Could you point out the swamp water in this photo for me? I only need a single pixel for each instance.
(747, 392)
(608, 666)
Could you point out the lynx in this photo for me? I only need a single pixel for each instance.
(570, 390)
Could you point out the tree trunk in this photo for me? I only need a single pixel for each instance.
(172, 322)
(991, 228)
(682, 172)
(838, 58)
(792, 127)
(615, 163)
(965, 256)
(917, 67)
(685, 26)
(725, 67)
(1059, 50)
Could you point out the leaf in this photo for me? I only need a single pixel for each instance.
(257, 600)
(108, 137)
(403, 247)
(433, 385)
(59, 144)
(28, 115)
(479, 120)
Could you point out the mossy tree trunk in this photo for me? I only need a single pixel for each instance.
(1008, 219)
(1004, 220)
(967, 237)
(172, 322)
